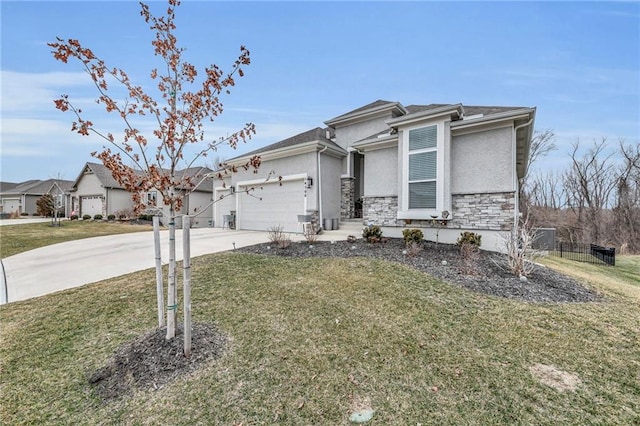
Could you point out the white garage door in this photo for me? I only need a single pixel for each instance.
(11, 205)
(271, 206)
(91, 205)
(223, 206)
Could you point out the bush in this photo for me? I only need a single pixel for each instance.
(86, 217)
(73, 217)
(413, 249)
(470, 254)
(24, 214)
(467, 237)
(412, 236)
(351, 239)
(277, 236)
(372, 233)
(97, 217)
(111, 217)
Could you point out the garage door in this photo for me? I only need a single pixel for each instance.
(91, 205)
(11, 205)
(223, 206)
(271, 206)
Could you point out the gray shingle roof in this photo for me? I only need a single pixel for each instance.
(317, 134)
(34, 186)
(372, 105)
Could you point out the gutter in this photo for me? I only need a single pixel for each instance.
(516, 209)
(320, 185)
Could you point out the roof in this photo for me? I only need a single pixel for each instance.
(316, 134)
(373, 107)
(34, 186)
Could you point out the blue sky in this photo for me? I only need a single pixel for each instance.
(577, 62)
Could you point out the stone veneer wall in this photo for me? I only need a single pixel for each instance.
(492, 211)
(315, 219)
(347, 197)
(380, 210)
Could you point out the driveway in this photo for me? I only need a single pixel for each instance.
(71, 264)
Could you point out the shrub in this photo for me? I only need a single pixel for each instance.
(97, 217)
(470, 254)
(372, 233)
(73, 217)
(111, 217)
(277, 236)
(413, 248)
(311, 236)
(467, 237)
(24, 214)
(86, 217)
(412, 236)
(351, 239)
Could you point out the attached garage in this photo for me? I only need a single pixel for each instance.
(91, 205)
(272, 204)
(11, 205)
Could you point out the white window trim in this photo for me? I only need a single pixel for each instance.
(443, 196)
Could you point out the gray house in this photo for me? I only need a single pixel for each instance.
(19, 198)
(395, 166)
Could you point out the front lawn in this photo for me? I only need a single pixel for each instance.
(311, 341)
(16, 239)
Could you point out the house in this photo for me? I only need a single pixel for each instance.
(95, 191)
(20, 198)
(445, 168)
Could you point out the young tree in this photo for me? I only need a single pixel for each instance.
(45, 205)
(142, 162)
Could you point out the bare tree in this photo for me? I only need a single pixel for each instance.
(140, 162)
(590, 183)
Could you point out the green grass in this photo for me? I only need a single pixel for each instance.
(16, 239)
(311, 339)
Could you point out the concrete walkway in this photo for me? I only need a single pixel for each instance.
(75, 263)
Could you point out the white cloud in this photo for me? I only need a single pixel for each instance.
(36, 91)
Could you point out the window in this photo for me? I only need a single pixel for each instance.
(423, 167)
(152, 199)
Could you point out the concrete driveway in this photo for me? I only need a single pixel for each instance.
(67, 265)
(71, 264)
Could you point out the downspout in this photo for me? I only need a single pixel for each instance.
(516, 210)
(320, 185)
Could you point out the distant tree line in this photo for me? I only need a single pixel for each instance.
(594, 199)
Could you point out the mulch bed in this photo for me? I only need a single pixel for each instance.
(543, 285)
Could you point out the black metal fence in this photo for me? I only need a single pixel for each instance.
(584, 252)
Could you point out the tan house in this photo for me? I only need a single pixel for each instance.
(95, 191)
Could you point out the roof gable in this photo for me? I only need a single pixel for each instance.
(317, 134)
(375, 108)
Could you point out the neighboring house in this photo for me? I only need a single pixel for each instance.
(19, 198)
(395, 166)
(95, 191)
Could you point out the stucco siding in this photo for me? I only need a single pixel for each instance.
(482, 161)
(381, 172)
(348, 135)
(89, 184)
(200, 204)
(330, 167)
(118, 200)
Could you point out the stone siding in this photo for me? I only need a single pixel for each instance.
(492, 212)
(381, 211)
(347, 197)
